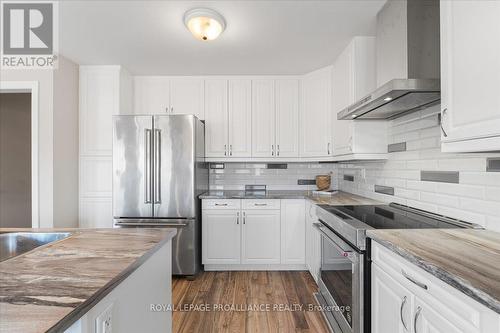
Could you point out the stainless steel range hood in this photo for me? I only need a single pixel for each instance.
(408, 62)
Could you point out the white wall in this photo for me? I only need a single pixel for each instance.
(476, 198)
(65, 187)
(47, 126)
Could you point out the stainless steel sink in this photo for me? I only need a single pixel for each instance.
(16, 243)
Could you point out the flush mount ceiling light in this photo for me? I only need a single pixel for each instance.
(204, 23)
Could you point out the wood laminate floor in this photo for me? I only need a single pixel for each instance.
(256, 301)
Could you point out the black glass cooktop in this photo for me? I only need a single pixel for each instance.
(392, 217)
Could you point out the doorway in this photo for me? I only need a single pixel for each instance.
(15, 160)
(19, 197)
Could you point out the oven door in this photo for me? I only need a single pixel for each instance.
(341, 281)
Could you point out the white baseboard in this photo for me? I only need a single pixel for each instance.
(257, 267)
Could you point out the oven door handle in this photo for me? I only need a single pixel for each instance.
(350, 254)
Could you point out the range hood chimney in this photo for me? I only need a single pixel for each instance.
(408, 61)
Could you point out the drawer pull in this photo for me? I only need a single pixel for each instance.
(224, 204)
(401, 312)
(257, 204)
(411, 279)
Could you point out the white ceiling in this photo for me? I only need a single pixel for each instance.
(262, 37)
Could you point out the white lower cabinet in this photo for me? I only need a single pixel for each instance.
(389, 299)
(313, 241)
(293, 241)
(221, 236)
(406, 298)
(260, 237)
(262, 234)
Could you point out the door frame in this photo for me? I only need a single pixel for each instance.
(32, 88)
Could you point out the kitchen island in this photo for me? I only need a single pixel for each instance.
(92, 278)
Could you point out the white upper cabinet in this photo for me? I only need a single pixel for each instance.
(470, 75)
(287, 117)
(151, 95)
(353, 77)
(316, 115)
(216, 122)
(186, 96)
(165, 95)
(275, 118)
(228, 118)
(240, 118)
(263, 118)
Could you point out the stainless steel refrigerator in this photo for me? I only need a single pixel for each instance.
(158, 172)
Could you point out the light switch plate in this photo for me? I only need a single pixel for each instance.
(104, 322)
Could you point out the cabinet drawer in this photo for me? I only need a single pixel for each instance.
(221, 204)
(261, 204)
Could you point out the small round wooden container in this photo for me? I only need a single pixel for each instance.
(323, 182)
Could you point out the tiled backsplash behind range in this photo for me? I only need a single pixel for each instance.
(476, 197)
(235, 176)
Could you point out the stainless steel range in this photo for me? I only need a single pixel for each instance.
(344, 281)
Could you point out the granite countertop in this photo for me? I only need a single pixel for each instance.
(49, 288)
(468, 260)
(336, 199)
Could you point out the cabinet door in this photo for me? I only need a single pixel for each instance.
(240, 118)
(313, 241)
(470, 74)
(316, 114)
(287, 118)
(261, 237)
(293, 249)
(186, 96)
(151, 95)
(263, 118)
(353, 77)
(428, 320)
(221, 237)
(391, 304)
(216, 118)
(342, 97)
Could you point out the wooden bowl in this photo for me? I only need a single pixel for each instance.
(323, 182)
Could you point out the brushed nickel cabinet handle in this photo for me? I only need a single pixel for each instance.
(441, 115)
(417, 314)
(272, 150)
(328, 148)
(224, 204)
(412, 279)
(278, 153)
(244, 218)
(237, 217)
(401, 312)
(230, 150)
(225, 150)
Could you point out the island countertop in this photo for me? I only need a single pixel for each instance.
(468, 260)
(52, 286)
(336, 199)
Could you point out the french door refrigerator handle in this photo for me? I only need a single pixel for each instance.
(157, 166)
(147, 165)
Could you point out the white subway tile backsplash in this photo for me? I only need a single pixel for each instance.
(476, 198)
(440, 199)
(236, 175)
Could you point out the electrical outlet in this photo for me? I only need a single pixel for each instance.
(104, 322)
